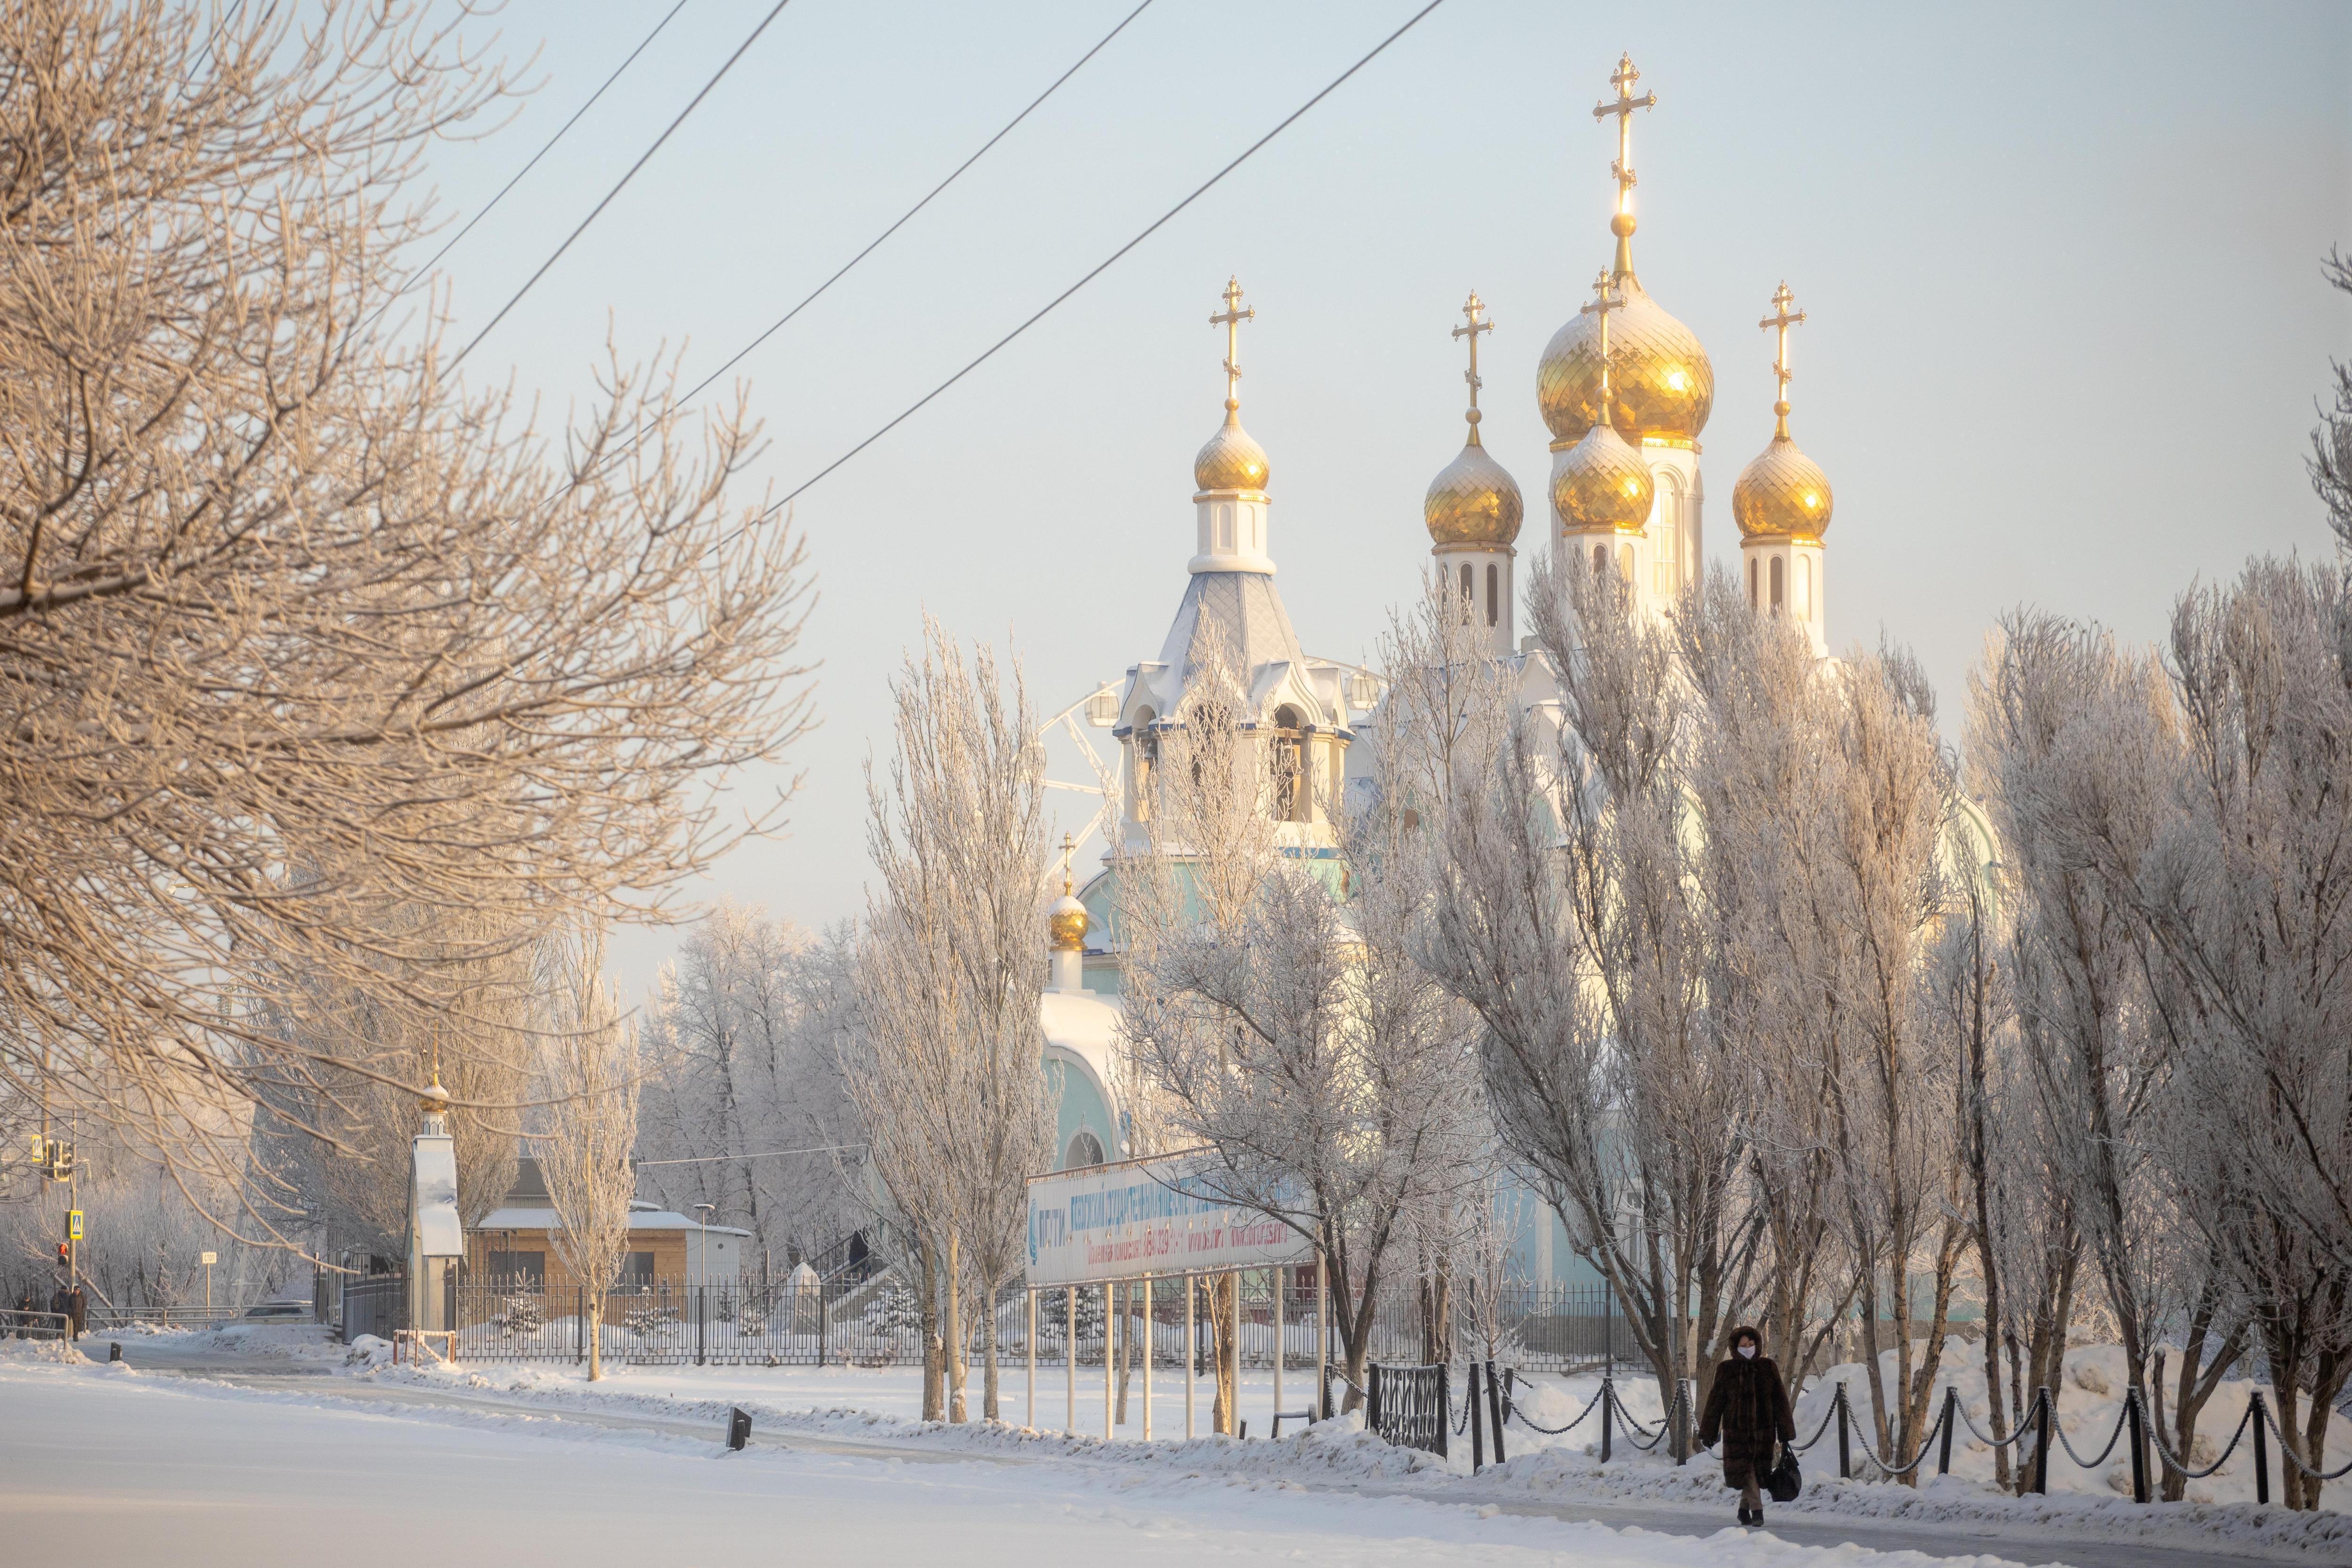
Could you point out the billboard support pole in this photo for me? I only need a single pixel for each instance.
(1191, 1340)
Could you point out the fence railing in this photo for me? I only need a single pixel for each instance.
(17, 1325)
(103, 1317)
(877, 1321)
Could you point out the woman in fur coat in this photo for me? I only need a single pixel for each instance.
(1748, 1408)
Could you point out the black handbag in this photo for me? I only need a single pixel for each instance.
(1787, 1480)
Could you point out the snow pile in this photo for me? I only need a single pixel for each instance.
(56, 1352)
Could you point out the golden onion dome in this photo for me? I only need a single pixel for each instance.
(1662, 388)
(1782, 493)
(1233, 461)
(1603, 483)
(1067, 923)
(1472, 501)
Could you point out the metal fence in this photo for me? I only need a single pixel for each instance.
(104, 1317)
(877, 1321)
(15, 1324)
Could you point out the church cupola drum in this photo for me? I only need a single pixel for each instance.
(1474, 509)
(1229, 477)
(1782, 504)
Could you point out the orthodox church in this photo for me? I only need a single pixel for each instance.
(1626, 390)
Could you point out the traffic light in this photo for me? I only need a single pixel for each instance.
(64, 1252)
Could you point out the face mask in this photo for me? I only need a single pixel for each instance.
(1748, 1351)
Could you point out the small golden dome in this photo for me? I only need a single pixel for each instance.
(1472, 501)
(1066, 924)
(1232, 460)
(1604, 483)
(1663, 386)
(1781, 493)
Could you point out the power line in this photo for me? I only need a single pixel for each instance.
(1104, 266)
(737, 358)
(624, 179)
(426, 270)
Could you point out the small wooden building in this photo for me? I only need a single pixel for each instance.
(512, 1243)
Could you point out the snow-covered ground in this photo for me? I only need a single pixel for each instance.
(1184, 1497)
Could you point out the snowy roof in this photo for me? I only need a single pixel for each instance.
(639, 1219)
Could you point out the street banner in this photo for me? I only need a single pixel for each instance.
(1146, 1216)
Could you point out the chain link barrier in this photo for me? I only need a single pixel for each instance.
(2286, 1449)
(1861, 1435)
(2123, 1417)
(1511, 1409)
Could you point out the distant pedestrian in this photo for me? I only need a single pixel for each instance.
(60, 1303)
(1748, 1408)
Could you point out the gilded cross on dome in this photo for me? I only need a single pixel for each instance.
(1622, 79)
(1603, 301)
(1780, 320)
(1069, 847)
(1475, 309)
(1230, 318)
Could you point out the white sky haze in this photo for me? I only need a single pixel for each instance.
(2066, 322)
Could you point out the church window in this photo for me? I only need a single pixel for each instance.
(1289, 759)
(1493, 593)
(1085, 1150)
(1469, 595)
(1778, 572)
(1753, 602)
(1225, 526)
(1600, 559)
(1666, 571)
(1804, 589)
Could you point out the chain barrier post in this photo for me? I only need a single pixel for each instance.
(1477, 1426)
(2260, 1418)
(1951, 1419)
(2139, 1445)
(701, 1302)
(1845, 1456)
(2041, 1416)
(1495, 1408)
(1444, 1402)
(1608, 1403)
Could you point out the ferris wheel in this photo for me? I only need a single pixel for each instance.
(1098, 710)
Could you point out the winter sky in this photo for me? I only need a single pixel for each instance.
(2060, 263)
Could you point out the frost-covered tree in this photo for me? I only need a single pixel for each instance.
(2245, 894)
(1284, 1025)
(948, 1085)
(742, 1069)
(300, 635)
(1574, 918)
(589, 1080)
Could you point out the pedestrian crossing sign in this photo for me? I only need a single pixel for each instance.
(73, 1225)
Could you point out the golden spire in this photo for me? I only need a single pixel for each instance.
(1069, 847)
(1230, 318)
(1474, 309)
(1780, 320)
(1621, 225)
(1603, 303)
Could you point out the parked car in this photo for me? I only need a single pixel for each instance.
(282, 1311)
